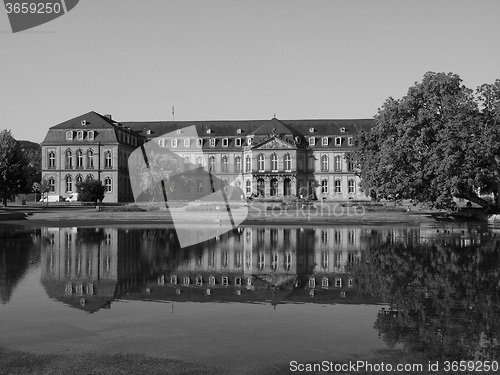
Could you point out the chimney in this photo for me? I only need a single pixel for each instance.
(108, 116)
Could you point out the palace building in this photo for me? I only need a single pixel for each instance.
(265, 158)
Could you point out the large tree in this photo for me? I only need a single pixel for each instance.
(33, 155)
(12, 166)
(440, 141)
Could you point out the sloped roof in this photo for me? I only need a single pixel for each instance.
(274, 126)
(93, 120)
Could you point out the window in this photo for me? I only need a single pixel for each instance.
(312, 141)
(310, 163)
(199, 142)
(300, 163)
(338, 282)
(107, 184)
(342, 130)
(79, 179)
(249, 141)
(274, 187)
(69, 159)
(225, 142)
(187, 142)
(349, 141)
(261, 163)
(90, 135)
(324, 141)
(237, 164)
(288, 162)
(69, 135)
(79, 135)
(324, 163)
(179, 131)
(69, 184)
(89, 177)
(224, 163)
(211, 161)
(199, 187)
(52, 184)
(90, 159)
(199, 161)
(79, 159)
(274, 163)
(337, 186)
(311, 130)
(248, 164)
(186, 163)
(174, 143)
(338, 163)
(351, 186)
(238, 131)
(212, 142)
(324, 186)
(161, 142)
(52, 159)
(298, 140)
(238, 142)
(249, 187)
(338, 141)
(108, 160)
(350, 165)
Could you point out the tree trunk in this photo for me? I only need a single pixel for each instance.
(477, 200)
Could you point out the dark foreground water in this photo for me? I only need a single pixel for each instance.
(254, 297)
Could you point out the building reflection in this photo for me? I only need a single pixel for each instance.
(88, 268)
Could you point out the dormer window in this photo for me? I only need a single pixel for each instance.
(342, 130)
(179, 131)
(84, 122)
(174, 142)
(249, 141)
(187, 142)
(338, 141)
(69, 135)
(199, 142)
(149, 132)
(161, 143)
(238, 131)
(349, 141)
(225, 142)
(312, 141)
(212, 142)
(324, 141)
(311, 130)
(90, 135)
(209, 131)
(298, 140)
(238, 142)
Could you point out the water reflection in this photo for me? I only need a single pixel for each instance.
(439, 287)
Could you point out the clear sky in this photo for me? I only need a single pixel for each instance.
(233, 59)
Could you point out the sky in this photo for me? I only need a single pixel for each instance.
(237, 60)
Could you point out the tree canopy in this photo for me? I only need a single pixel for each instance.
(440, 141)
(90, 190)
(12, 166)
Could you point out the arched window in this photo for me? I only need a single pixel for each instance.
(274, 187)
(90, 135)
(324, 163)
(300, 163)
(52, 159)
(90, 159)
(79, 135)
(69, 184)
(274, 163)
(69, 159)
(108, 160)
(324, 186)
(237, 164)
(108, 184)
(89, 177)
(338, 186)
(338, 163)
(79, 158)
(69, 135)
(249, 187)
(224, 163)
(248, 164)
(288, 162)
(351, 186)
(199, 161)
(261, 163)
(79, 179)
(52, 184)
(211, 163)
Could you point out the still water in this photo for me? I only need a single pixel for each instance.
(266, 295)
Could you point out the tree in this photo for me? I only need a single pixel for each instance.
(33, 155)
(90, 190)
(43, 187)
(438, 142)
(12, 166)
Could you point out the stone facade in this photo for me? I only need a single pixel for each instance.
(266, 158)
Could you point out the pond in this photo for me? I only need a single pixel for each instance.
(266, 295)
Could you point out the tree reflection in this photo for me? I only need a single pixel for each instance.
(444, 296)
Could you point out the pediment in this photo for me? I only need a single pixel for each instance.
(274, 143)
